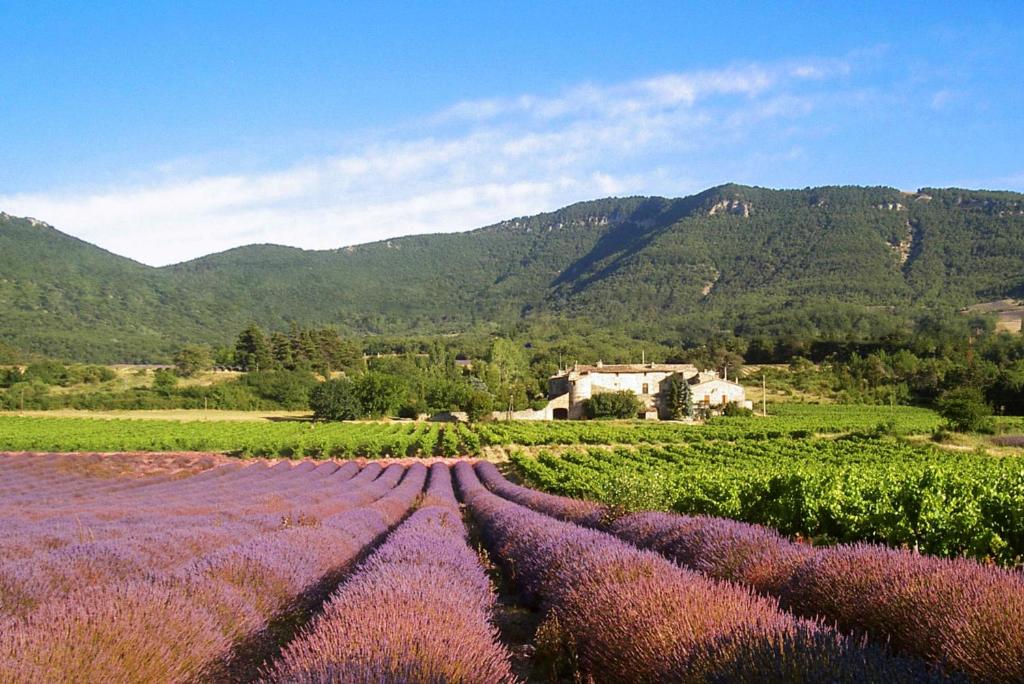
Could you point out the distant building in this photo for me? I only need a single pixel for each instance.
(568, 389)
(714, 393)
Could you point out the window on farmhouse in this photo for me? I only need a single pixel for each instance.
(646, 389)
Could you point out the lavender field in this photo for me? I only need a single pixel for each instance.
(192, 568)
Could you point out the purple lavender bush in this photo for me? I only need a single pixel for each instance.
(134, 632)
(582, 512)
(184, 624)
(622, 614)
(417, 611)
(955, 613)
(968, 616)
(439, 489)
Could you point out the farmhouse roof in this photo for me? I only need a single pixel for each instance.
(696, 382)
(631, 368)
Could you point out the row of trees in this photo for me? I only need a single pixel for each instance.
(55, 373)
(321, 350)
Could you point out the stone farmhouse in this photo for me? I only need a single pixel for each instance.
(568, 389)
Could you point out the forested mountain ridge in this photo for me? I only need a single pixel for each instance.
(828, 261)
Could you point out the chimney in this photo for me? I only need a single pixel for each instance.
(600, 364)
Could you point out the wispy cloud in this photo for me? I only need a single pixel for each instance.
(471, 164)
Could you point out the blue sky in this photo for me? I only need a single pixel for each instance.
(164, 131)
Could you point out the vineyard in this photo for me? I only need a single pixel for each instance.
(828, 490)
(287, 439)
(201, 568)
(297, 438)
(787, 420)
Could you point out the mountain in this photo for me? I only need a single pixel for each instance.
(756, 261)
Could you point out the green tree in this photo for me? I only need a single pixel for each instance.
(252, 350)
(27, 395)
(380, 394)
(192, 359)
(510, 361)
(336, 400)
(46, 372)
(622, 404)
(285, 388)
(9, 376)
(678, 399)
(446, 394)
(164, 381)
(965, 409)
(478, 405)
(281, 350)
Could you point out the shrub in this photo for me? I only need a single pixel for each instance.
(47, 372)
(379, 394)
(288, 389)
(164, 381)
(336, 400)
(478, 406)
(965, 410)
(192, 359)
(735, 410)
(411, 409)
(622, 404)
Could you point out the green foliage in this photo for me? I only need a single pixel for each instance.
(9, 376)
(734, 410)
(191, 359)
(478, 406)
(249, 438)
(379, 394)
(336, 400)
(844, 490)
(164, 381)
(287, 389)
(55, 373)
(678, 398)
(622, 404)
(787, 420)
(252, 349)
(730, 271)
(10, 355)
(46, 372)
(411, 410)
(25, 395)
(446, 393)
(965, 410)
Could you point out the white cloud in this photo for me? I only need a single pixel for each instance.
(474, 163)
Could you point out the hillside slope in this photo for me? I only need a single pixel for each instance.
(753, 260)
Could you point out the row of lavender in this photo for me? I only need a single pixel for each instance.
(183, 617)
(954, 613)
(60, 538)
(619, 613)
(419, 610)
